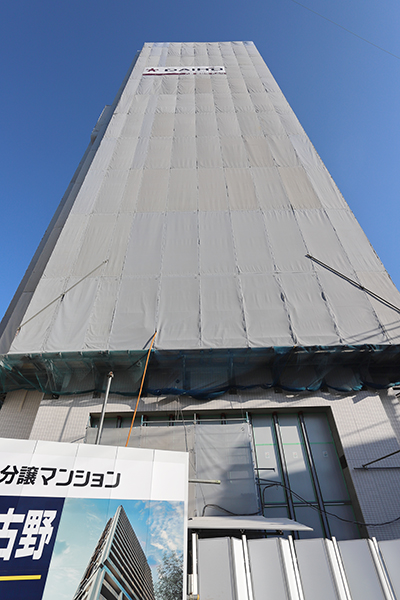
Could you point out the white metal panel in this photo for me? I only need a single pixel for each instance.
(390, 552)
(360, 570)
(268, 574)
(240, 571)
(316, 574)
(330, 474)
(245, 522)
(215, 572)
(291, 569)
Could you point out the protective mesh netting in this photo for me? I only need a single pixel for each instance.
(205, 374)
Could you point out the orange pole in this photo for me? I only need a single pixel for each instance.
(141, 387)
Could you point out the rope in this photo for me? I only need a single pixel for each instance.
(141, 388)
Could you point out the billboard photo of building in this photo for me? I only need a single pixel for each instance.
(104, 545)
(118, 565)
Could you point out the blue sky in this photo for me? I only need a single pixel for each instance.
(63, 61)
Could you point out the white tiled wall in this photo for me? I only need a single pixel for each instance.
(18, 413)
(368, 425)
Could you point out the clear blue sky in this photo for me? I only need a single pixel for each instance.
(63, 61)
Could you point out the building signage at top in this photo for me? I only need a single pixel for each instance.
(184, 71)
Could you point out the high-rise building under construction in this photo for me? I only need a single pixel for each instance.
(118, 568)
(202, 225)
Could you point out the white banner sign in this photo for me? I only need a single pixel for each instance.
(66, 510)
(185, 71)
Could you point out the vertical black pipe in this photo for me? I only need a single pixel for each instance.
(285, 475)
(314, 476)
